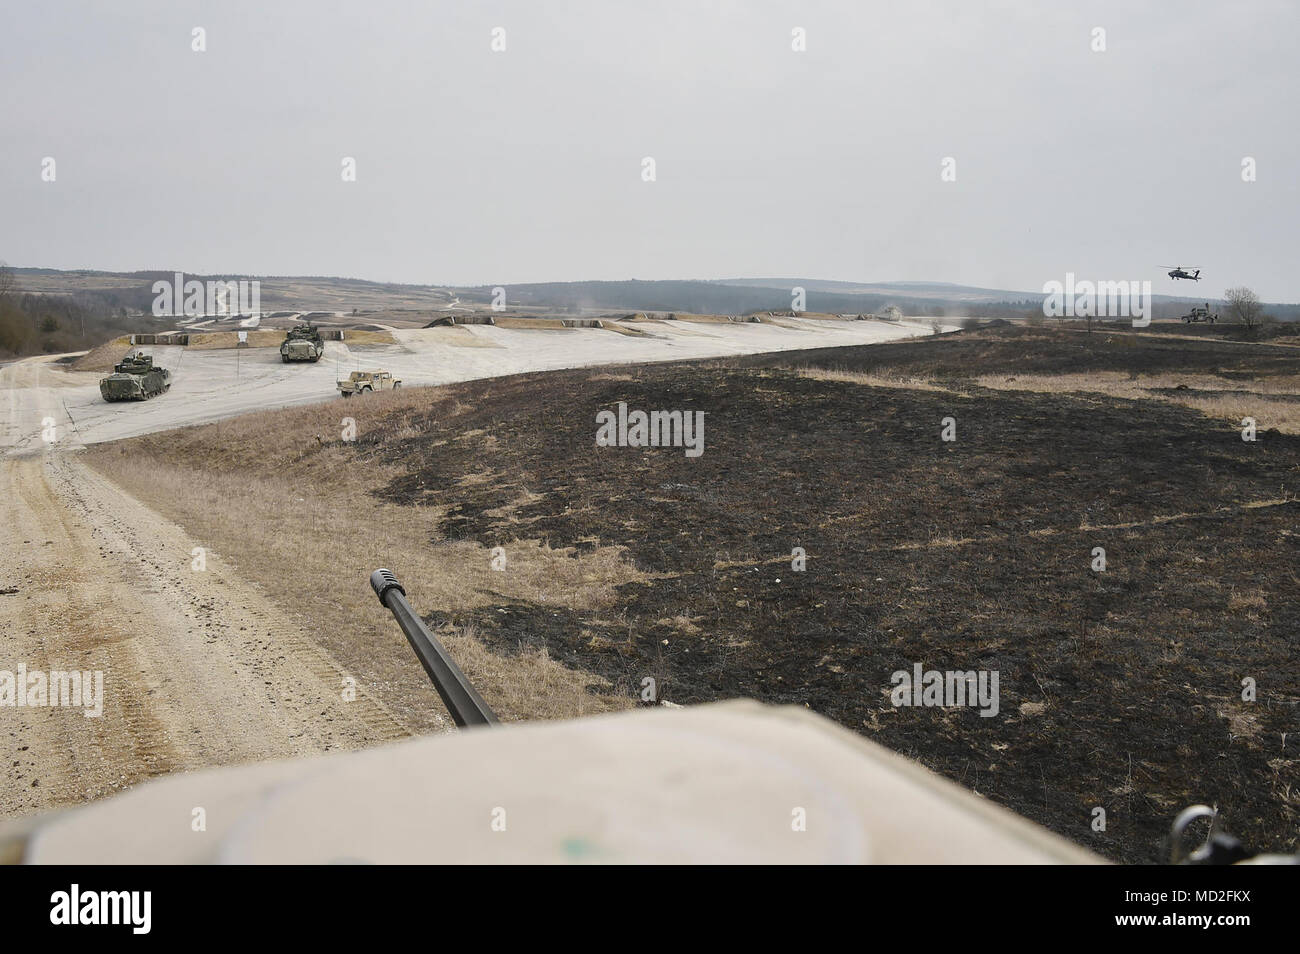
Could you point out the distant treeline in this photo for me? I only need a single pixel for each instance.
(715, 298)
(710, 298)
(50, 324)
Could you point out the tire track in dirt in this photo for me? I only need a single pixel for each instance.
(383, 724)
(199, 667)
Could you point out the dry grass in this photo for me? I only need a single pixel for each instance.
(1283, 416)
(883, 379)
(1274, 402)
(211, 340)
(351, 337)
(528, 324)
(1251, 602)
(1122, 384)
(1231, 405)
(316, 522)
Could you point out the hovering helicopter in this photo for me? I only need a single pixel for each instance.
(1180, 272)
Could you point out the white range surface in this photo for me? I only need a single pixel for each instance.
(208, 385)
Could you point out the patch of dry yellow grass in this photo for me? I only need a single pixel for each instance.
(297, 517)
(1283, 416)
(1268, 413)
(882, 379)
(528, 324)
(207, 341)
(1250, 602)
(351, 337)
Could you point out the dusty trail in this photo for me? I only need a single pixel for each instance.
(199, 668)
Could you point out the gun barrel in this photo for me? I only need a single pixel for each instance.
(462, 700)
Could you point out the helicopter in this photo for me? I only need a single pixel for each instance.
(1180, 272)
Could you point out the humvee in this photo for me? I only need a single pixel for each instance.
(361, 382)
(1200, 314)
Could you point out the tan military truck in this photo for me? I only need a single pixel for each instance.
(363, 382)
(1200, 314)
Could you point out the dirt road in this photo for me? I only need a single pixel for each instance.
(199, 669)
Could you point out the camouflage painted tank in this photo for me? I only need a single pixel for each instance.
(302, 343)
(135, 379)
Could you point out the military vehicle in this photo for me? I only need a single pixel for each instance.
(1200, 314)
(302, 343)
(363, 382)
(135, 378)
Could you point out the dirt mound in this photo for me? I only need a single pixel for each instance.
(103, 358)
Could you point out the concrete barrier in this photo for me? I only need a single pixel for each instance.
(166, 338)
(446, 320)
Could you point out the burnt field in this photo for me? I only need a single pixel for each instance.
(1120, 689)
(1009, 349)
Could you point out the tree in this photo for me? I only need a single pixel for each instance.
(1242, 305)
(13, 323)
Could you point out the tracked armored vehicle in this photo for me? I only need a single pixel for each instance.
(135, 378)
(302, 343)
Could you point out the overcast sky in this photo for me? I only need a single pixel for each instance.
(474, 166)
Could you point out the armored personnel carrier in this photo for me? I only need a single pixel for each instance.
(135, 378)
(302, 343)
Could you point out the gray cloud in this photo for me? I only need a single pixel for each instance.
(525, 165)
